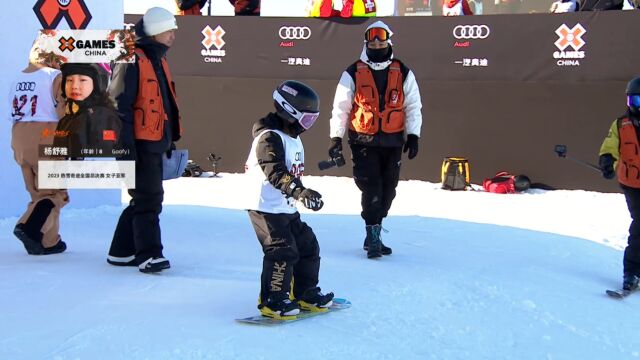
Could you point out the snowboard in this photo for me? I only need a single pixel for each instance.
(620, 293)
(338, 304)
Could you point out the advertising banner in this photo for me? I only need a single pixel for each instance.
(564, 47)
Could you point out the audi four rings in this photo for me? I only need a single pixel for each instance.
(26, 86)
(471, 32)
(294, 32)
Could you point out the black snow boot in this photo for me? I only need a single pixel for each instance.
(385, 250)
(314, 300)
(279, 306)
(30, 232)
(630, 282)
(58, 248)
(154, 264)
(375, 245)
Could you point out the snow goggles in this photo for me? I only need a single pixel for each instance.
(376, 33)
(633, 100)
(306, 119)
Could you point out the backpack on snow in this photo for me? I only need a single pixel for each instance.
(502, 183)
(455, 173)
(505, 183)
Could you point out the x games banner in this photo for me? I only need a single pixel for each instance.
(563, 47)
(87, 46)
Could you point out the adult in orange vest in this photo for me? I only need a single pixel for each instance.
(619, 157)
(147, 105)
(190, 7)
(377, 102)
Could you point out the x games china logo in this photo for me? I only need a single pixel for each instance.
(87, 45)
(213, 38)
(50, 12)
(67, 44)
(569, 37)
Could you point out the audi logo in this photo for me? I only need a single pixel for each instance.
(26, 86)
(471, 32)
(294, 33)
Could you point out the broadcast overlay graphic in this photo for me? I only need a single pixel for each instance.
(87, 46)
(95, 174)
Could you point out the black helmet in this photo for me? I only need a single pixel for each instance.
(522, 183)
(297, 102)
(633, 87)
(633, 96)
(91, 70)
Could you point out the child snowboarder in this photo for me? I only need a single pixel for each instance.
(273, 168)
(91, 121)
(619, 156)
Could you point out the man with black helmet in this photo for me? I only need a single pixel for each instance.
(273, 168)
(619, 157)
(377, 102)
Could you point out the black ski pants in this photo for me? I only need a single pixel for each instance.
(138, 230)
(631, 261)
(376, 171)
(290, 250)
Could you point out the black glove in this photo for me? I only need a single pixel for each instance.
(606, 166)
(335, 150)
(309, 198)
(170, 151)
(411, 145)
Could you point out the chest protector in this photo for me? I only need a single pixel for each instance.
(148, 110)
(366, 117)
(628, 168)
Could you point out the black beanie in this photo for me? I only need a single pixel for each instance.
(90, 70)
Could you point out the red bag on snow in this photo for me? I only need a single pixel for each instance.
(502, 183)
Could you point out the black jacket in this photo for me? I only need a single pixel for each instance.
(124, 90)
(88, 127)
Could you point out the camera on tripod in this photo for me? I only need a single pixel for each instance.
(328, 164)
(214, 163)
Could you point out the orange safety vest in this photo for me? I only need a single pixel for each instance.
(628, 168)
(365, 116)
(148, 110)
(195, 10)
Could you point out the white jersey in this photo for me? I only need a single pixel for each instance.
(31, 96)
(456, 10)
(264, 196)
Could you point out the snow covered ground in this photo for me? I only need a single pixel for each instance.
(473, 276)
